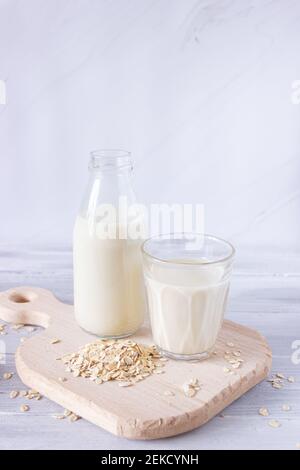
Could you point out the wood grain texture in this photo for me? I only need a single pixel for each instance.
(123, 411)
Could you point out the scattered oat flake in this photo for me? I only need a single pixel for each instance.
(67, 413)
(59, 416)
(236, 365)
(14, 394)
(62, 379)
(188, 390)
(7, 375)
(169, 393)
(280, 375)
(277, 385)
(33, 394)
(230, 345)
(125, 384)
(54, 341)
(24, 408)
(194, 382)
(226, 370)
(263, 411)
(274, 423)
(291, 379)
(73, 417)
(17, 326)
(286, 407)
(191, 387)
(23, 339)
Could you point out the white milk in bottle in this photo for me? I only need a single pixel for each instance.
(108, 283)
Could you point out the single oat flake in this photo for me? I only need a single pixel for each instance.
(73, 417)
(276, 385)
(236, 365)
(169, 393)
(54, 341)
(24, 408)
(191, 387)
(17, 326)
(274, 423)
(264, 411)
(286, 407)
(291, 379)
(188, 390)
(125, 384)
(7, 375)
(14, 394)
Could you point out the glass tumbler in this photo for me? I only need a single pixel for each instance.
(187, 282)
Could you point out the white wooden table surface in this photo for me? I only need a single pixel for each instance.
(265, 295)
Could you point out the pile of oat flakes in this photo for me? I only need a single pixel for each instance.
(122, 360)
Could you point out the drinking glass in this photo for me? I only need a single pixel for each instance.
(187, 283)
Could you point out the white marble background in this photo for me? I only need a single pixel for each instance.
(199, 90)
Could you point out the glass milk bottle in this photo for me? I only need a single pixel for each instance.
(108, 285)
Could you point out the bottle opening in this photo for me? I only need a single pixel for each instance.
(110, 159)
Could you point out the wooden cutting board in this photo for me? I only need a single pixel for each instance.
(142, 411)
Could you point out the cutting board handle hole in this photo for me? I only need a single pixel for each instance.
(19, 298)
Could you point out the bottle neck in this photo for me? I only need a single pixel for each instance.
(112, 162)
(109, 181)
